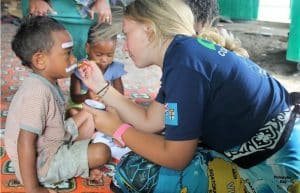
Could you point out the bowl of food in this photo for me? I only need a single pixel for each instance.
(95, 104)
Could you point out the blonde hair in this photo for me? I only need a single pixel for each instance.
(223, 38)
(166, 18)
(105, 31)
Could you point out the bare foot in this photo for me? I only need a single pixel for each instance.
(95, 174)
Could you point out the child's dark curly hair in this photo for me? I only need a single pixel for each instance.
(34, 35)
(205, 11)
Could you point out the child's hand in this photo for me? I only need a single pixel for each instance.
(92, 95)
(106, 121)
(92, 76)
(40, 7)
(101, 7)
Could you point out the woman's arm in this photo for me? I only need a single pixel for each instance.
(149, 120)
(154, 147)
(27, 162)
(172, 154)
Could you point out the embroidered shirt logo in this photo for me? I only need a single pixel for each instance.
(171, 114)
(206, 44)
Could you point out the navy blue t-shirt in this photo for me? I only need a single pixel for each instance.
(213, 94)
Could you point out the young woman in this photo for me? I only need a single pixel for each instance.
(219, 123)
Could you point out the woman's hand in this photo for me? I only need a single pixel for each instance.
(40, 8)
(92, 76)
(101, 7)
(106, 121)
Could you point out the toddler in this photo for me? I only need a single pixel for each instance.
(100, 47)
(38, 139)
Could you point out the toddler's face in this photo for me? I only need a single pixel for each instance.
(60, 56)
(102, 53)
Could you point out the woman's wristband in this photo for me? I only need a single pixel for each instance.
(102, 89)
(118, 134)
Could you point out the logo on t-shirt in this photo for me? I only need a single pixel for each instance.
(206, 44)
(210, 45)
(171, 114)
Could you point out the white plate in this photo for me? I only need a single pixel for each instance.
(94, 104)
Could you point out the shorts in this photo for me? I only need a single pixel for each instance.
(71, 160)
(71, 128)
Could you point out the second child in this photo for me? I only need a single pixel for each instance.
(100, 48)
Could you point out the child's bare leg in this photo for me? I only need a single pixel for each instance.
(85, 124)
(98, 155)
